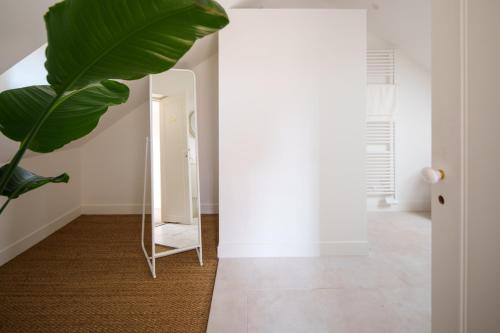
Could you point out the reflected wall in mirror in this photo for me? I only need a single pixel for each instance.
(176, 221)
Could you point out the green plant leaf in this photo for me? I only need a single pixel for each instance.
(93, 40)
(23, 181)
(75, 114)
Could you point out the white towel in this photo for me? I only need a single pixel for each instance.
(380, 99)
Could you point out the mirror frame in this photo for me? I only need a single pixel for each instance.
(154, 219)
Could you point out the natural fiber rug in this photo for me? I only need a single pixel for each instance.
(91, 276)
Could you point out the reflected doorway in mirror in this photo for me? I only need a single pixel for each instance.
(174, 167)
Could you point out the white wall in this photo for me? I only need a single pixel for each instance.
(413, 133)
(207, 90)
(291, 133)
(116, 155)
(113, 166)
(121, 148)
(35, 215)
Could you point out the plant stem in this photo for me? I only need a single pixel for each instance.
(4, 180)
(4, 205)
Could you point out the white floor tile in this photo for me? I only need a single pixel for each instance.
(295, 311)
(385, 292)
(228, 313)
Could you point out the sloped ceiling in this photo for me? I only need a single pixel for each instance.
(406, 24)
(22, 29)
(402, 24)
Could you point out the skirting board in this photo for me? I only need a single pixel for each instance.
(119, 209)
(123, 209)
(36, 236)
(253, 250)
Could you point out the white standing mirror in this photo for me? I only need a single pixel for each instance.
(175, 199)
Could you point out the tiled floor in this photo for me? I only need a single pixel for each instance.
(176, 235)
(385, 292)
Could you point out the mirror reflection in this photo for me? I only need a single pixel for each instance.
(174, 164)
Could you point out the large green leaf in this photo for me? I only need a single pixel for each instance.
(23, 181)
(75, 114)
(92, 40)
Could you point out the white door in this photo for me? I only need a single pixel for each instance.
(466, 145)
(176, 202)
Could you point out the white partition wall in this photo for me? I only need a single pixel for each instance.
(292, 133)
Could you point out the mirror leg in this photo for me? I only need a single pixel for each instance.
(199, 251)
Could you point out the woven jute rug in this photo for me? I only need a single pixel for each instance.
(91, 276)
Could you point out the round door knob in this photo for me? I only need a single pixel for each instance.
(431, 176)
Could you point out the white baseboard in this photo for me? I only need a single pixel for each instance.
(210, 208)
(134, 209)
(119, 209)
(124, 209)
(249, 250)
(377, 205)
(21, 245)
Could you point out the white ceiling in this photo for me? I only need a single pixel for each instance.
(22, 29)
(402, 24)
